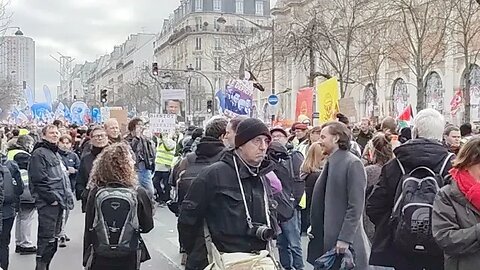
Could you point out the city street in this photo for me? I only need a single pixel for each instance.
(162, 244)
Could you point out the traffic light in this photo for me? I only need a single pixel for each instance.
(155, 69)
(103, 96)
(209, 106)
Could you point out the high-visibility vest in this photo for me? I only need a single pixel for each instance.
(164, 156)
(11, 156)
(23, 131)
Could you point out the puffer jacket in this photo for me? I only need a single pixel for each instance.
(456, 228)
(48, 178)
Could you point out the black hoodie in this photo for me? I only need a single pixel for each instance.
(414, 153)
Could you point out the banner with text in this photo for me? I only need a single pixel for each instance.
(163, 123)
(327, 99)
(238, 98)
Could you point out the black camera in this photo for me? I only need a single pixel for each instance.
(261, 231)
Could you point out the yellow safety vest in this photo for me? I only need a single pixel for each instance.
(23, 173)
(164, 156)
(24, 131)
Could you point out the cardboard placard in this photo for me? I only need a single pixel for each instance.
(163, 123)
(347, 107)
(122, 118)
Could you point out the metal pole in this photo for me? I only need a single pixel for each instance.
(190, 120)
(273, 64)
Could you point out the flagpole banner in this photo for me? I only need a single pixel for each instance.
(327, 99)
(304, 106)
(457, 100)
(238, 98)
(174, 102)
(405, 118)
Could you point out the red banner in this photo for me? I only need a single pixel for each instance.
(304, 106)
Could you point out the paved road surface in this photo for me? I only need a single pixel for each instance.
(162, 243)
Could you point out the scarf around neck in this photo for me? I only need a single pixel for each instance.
(467, 185)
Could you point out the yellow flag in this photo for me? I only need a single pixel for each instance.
(327, 99)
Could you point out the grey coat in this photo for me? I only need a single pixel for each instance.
(456, 228)
(337, 207)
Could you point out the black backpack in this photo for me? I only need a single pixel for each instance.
(193, 169)
(9, 186)
(116, 229)
(412, 212)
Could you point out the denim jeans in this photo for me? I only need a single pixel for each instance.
(289, 244)
(145, 180)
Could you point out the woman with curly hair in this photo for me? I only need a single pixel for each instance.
(114, 200)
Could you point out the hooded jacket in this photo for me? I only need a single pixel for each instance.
(215, 197)
(47, 176)
(209, 150)
(414, 153)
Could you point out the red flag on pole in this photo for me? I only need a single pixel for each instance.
(407, 114)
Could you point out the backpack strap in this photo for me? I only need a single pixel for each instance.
(401, 166)
(445, 162)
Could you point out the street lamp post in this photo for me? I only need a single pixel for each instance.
(271, 28)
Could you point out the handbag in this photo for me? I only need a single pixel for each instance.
(328, 260)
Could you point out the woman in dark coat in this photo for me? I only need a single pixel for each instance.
(456, 211)
(338, 200)
(381, 153)
(310, 171)
(114, 168)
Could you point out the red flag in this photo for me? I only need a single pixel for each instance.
(456, 102)
(407, 114)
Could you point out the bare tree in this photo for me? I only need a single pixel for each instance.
(465, 28)
(418, 38)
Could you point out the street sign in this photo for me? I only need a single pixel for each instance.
(273, 100)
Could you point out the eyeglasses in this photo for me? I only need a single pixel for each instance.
(99, 136)
(278, 136)
(261, 141)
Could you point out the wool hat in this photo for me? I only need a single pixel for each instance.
(248, 129)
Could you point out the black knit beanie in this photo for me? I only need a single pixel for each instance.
(249, 129)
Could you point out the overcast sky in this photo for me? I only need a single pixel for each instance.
(83, 29)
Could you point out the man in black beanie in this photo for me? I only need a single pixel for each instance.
(231, 194)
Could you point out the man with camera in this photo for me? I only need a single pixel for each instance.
(234, 198)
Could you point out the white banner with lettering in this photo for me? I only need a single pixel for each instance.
(163, 123)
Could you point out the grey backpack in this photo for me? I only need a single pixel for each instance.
(115, 227)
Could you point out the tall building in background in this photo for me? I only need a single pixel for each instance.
(17, 60)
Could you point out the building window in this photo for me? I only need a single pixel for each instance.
(198, 43)
(259, 8)
(218, 44)
(239, 6)
(217, 5)
(198, 23)
(217, 62)
(240, 25)
(198, 63)
(198, 5)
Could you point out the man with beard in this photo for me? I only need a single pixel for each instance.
(365, 134)
(113, 131)
(99, 142)
(338, 200)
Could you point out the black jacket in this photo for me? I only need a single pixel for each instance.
(287, 169)
(48, 180)
(215, 196)
(23, 160)
(363, 139)
(414, 153)
(15, 188)
(144, 151)
(208, 151)
(86, 165)
(70, 159)
(145, 220)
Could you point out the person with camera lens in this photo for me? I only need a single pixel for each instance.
(234, 199)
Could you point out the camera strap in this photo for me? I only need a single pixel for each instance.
(265, 198)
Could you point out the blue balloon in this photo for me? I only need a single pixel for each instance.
(41, 111)
(79, 112)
